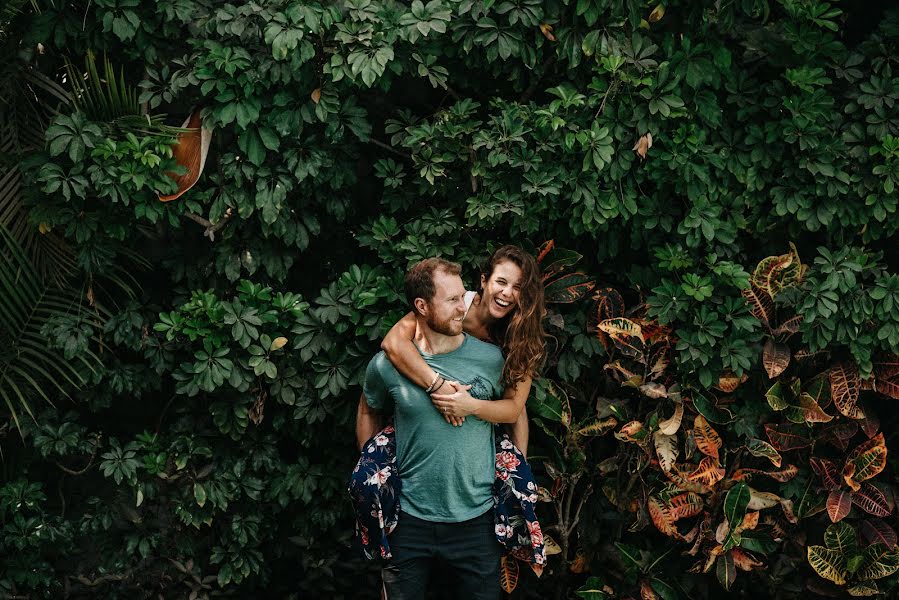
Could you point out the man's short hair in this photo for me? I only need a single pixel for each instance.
(419, 281)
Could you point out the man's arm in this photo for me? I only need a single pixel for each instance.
(368, 422)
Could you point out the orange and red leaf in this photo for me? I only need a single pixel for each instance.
(845, 385)
(839, 503)
(707, 439)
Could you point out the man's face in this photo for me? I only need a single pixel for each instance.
(447, 308)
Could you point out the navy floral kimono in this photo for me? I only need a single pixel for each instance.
(375, 486)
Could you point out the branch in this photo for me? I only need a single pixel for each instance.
(101, 580)
(577, 513)
(569, 498)
(211, 228)
(89, 462)
(165, 409)
(606, 97)
(474, 180)
(388, 147)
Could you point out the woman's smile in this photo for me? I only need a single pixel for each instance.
(502, 289)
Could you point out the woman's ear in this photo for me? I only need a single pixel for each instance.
(483, 281)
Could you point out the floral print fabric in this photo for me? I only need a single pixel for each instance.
(375, 485)
(374, 488)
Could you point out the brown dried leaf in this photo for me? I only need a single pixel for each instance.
(707, 439)
(580, 564)
(811, 411)
(750, 520)
(642, 146)
(632, 432)
(666, 449)
(508, 574)
(547, 30)
(776, 358)
(728, 382)
(663, 520)
(761, 500)
(316, 95)
(654, 390)
(646, 591)
(743, 561)
(709, 472)
(190, 152)
(845, 384)
(680, 479)
(671, 425)
(684, 506)
(790, 326)
(783, 476)
(761, 304)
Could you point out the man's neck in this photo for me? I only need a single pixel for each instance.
(431, 342)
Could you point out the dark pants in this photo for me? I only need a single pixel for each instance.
(468, 550)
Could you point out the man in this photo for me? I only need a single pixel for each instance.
(447, 472)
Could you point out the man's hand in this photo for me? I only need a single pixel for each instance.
(457, 404)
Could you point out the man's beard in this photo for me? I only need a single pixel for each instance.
(447, 327)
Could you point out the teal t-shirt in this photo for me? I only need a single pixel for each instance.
(447, 471)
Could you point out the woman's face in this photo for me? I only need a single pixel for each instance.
(502, 289)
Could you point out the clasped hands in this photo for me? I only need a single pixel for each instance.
(454, 402)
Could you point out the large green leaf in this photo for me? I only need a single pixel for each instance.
(726, 570)
(709, 409)
(841, 537)
(592, 590)
(568, 288)
(735, 503)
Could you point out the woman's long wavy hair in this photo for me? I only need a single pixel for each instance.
(520, 333)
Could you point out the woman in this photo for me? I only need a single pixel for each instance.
(507, 310)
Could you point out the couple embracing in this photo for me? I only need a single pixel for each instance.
(452, 370)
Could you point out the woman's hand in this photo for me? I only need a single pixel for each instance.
(457, 404)
(446, 388)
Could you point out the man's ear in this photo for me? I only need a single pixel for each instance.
(421, 306)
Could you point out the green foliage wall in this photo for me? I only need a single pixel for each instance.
(712, 415)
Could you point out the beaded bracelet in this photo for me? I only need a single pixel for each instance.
(433, 385)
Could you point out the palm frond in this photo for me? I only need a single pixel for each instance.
(9, 10)
(101, 98)
(49, 253)
(108, 99)
(29, 367)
